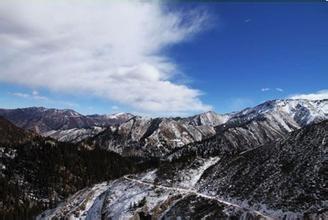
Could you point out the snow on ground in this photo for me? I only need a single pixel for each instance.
(78, 205)
(149, 176)
(127, 197)
(192, 191)
(73, 135)
(191, 176)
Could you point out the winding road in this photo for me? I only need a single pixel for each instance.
(193, 191)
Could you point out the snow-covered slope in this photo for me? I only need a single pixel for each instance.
(256, 126)
(261, 163)
(210, 133)
(288, 112)
(285, 180)
(148, 137)
(287, 175)
(74, 135)
(138, 196)
(42, 120)
(208, 118)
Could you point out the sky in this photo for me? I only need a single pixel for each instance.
(160, 58)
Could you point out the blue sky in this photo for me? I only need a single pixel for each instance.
(239, 55)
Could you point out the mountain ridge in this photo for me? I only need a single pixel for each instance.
(257, 184)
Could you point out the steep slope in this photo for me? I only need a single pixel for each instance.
(139, 197)
(288, 112)
(284, 180)
(42, 120)
(208, 118)
(38, 172)
(256, 126)
(174, 137)
(288, 175)
(74, 135)
(146, 137)
(10, 134)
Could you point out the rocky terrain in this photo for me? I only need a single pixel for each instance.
(74, 135)
(146, 137)
(168, 138)
(256, 126)
(36, 172)
(43, 120)
(284, 180)
(265, 162)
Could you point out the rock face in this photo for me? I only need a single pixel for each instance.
(42, 120)
(139, 196)
(266, 162)
(209, 133)
(256, 126)
(167, 137)
(289, 175)
(74, 135)
(288, 113)
(148, 137)
(283, 180)
(208, 118)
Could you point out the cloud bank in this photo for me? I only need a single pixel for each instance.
(323, 94)
(109, 49)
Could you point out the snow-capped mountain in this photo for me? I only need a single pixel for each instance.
(256, 126)
(158, 132)
(142, 136)
(265, 162)
(208, 118)
(74, 135)
(284, 180)
(42, 120)
(147, 137)
(289, 113)
(209, 133)
(110, 119)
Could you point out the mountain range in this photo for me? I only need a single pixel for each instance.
(265, 162)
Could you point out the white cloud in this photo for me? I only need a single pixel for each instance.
(110, 49)
(20, 95)
(279, 89)
(265, 89)
(34, 95)
(323, 94)
(115, 107)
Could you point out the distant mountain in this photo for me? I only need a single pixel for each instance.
(74, 135)
(43, 120)
(286, 179)
(207, 133)
(208, 118)
(265, 162)
(289, 112)
(147, 137)
(256, 126)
